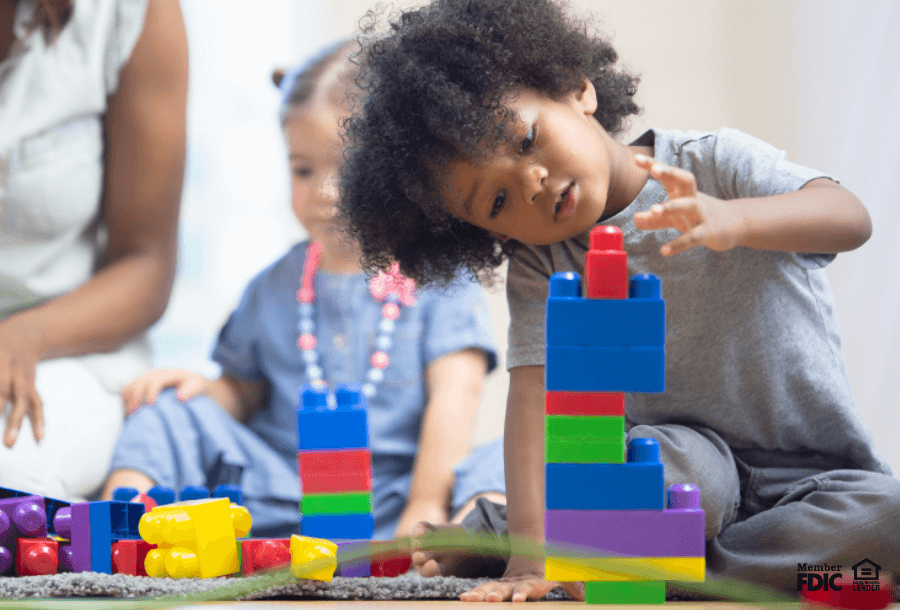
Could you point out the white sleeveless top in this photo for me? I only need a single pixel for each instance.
(53, 99)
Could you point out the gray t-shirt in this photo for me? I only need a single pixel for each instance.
(752, 348)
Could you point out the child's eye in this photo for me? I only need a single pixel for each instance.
(499, 202)
(528, 141)
(302, 172)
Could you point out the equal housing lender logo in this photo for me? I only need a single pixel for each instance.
(825, 577)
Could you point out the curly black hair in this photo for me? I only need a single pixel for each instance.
(431, 93)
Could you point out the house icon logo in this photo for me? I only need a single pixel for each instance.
(866, 570)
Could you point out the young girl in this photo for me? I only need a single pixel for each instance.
(488, 130)
(421, 357)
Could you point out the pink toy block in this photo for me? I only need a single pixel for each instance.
(264, 554)
(606, 265)
(585, 403)
(128, 557)
(37, 557)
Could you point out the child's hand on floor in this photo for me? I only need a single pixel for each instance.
(702, 220)
(523, 581)
(415, 512)
(145, 389)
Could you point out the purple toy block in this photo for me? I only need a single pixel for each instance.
(20, 517)
(358, 567)
(675, 532)
(66, 557)
(74, 522)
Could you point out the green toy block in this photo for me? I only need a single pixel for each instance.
(625, 592)
(596, 427)
(336, 503)
(566, 451)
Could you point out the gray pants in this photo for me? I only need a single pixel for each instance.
(768, 511)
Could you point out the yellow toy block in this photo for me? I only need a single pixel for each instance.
(610, 569)
(195, 539)
(313, 558)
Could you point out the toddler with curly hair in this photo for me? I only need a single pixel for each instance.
(488, 131)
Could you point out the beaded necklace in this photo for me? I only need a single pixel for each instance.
(392, 289)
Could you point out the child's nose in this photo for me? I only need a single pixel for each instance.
(536, 177)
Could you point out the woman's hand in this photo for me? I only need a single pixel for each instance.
(19, 356)
(701, 219)
(145, 389)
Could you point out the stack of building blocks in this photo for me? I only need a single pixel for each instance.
(194, 539)
(605, 500)
(335, 467)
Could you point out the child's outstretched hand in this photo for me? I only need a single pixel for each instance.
(703, 220)
(145, 389)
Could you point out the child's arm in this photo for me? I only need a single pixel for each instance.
(821, 217)
(523, 444)
(454, 384)
(240, 398)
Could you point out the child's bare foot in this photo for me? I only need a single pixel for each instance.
(451, 562)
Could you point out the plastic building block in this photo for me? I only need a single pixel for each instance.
(192, 492)
(162, 495)
(232, 492)
(128, 557)
(577, 451)
(65, 557)
(336, 503)
(352, 526)
(37, 557)
(51, 505)
(335, 471)
(264, 554)
(675, 532)
(585, 427)
(585, 403)
(606, 265)
(74, 523)
(569, 569)
(341, 425)
(111, 521)
(124, 494)
(605, 369)
(631, 592)
(148, 502)
(636, 485)
(313, 558)
(194, 539)
(389, 563)
(639, 321)
(20, 517)
(353, 558)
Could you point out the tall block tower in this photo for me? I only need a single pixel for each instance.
(606, 501)
(335, 466)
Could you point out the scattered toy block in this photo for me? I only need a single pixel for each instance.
(51, 505)
(65, 557)
(625, 592)
(353, 557)
(352, 526)
(336, 503)
(37, 557)
(20, 517)
(313, 558)
(162, 495)
(585, 403)
(192, 492)
(194, 539)
(232, 492)
(387, 561)
(584, 451)
(618, 569)
(264, 554)
(124, 494)
(128, 556)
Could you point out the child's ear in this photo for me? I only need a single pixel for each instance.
(586, 97)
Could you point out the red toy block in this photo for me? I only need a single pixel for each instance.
(359, 481)
(391, 563)
(264, 554)
(128, 557)
(335, 471)
(606, 265)
(37, 557)
(855, 595)
(148, 502)
(585, 403)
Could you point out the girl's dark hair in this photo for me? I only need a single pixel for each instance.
(431, 93)
(298, 85)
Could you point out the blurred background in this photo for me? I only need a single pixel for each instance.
(817, 78)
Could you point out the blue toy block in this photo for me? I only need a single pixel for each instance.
(636, 485)
(232, 492)
(111, 521)
(639, 321)
(162, 495)
(326, 424)
(193, 492)
(124, 494)
(50, 504)
(605, 369)
(335, 527)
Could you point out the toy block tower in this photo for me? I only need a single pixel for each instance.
(335, 466)
(607, 503)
